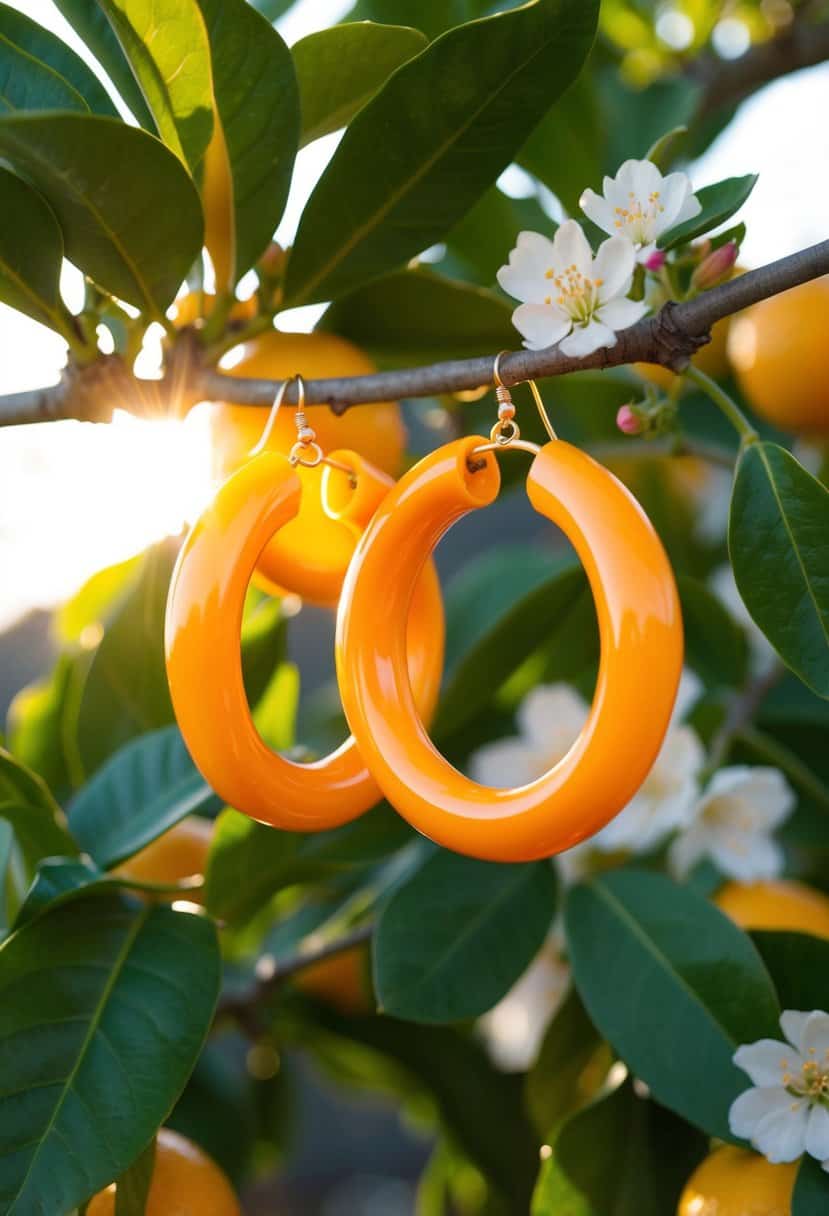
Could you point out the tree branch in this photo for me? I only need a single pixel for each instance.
(669, 338)
(803, 44)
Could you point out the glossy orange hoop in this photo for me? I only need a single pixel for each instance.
(204, 669)
(640, 629)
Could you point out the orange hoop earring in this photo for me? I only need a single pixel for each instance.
(203, 648)
(640, 630)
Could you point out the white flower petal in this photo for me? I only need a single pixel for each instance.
(524, 275)
(746, 857)
(781, 1135)
(514, 1028)
(599, 210)
(572, 248)
(793, 1023)
(506, 763)
(541, 325)
(689, 210)
(552, 715)
(753, 1106)
(770, 795)
(766, 1061)
(619, 314)
(614, 264)
(587, 338)
(817, 1133)
(638, 176)
(815, 1039)
(687, 850)
(676, 189)
(644, 252)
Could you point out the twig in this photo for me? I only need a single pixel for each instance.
(668, 338)
(741, 713)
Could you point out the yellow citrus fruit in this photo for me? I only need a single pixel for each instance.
(711, 359)
(375, 431)
(734, 1182)
(190, 307)
(217, 202)
(341, 981)
(775, 905)
(780, 352)
(185, 1182)
(177, 854)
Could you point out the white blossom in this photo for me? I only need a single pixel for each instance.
(786, 1112)
(514, 1028)
(567, 295)
(639, 204)
(732, 824)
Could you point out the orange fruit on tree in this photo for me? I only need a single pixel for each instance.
(735, 1182)
(179, 853)
(194, 304)
(375, 431)
(780, 351)
(185, 1182)
(780, 904)
(341, 981)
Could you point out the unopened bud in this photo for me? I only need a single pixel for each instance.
(272, 262)
(655, 261)
(629, 421)
(715, 267)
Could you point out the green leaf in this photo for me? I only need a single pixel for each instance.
(556, 1084)
(28, 84)
(38, 823)
(129, 212)
(272, 9)
(142, 791)
(31, 249)
(431, 16)
(623, 1155)
(479, 245)
(448, 122)
(166, 44)
(36, 722)
(257, 105)
(420, 314)
(715, 645)
(565, 149)
(59, 879)
(811, 1189)
(673, 985)
(718, 202)
(104, 1006)
(799, 965)
(339, 69)
(133, 1188)
(777, 534)
(52, 51)
(90, 23)
(530, 622)
(249, 863)
(457, 935)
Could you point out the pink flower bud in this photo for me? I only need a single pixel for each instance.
(715, 267)
(628, 421)
(655, 261)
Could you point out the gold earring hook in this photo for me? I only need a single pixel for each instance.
(259, 446)
(542, 411)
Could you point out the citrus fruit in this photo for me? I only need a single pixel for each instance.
(185, 1182)
(775, 905)
(734, 1182)
(780, 352)
(341, 981)
(191, 307)
(177, 854)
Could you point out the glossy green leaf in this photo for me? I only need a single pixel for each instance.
(718, 202)
(146, 788)
(529, 623)
(28, 84)
(479, 245)
(623, 1155)
(31, 248)
(166, 44)
(249, 863)
(555, 1085)
(777, 534)
(456, 936)
(565, 149)
(129, 212)
(420, 314)
(42, 44)
(715, 645)
(257, 104)
(86, 992)
(673, 985)
(38, 823)
(272, 9)
(339, 69)
(37, 723)
(799, 965)
(433, 17)
(133, 1186)
(89, 21)
(59, 879)
(633, 119)
(448, 122)
(811, 1189)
